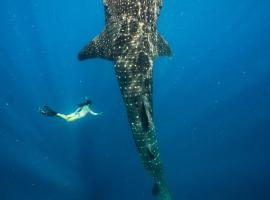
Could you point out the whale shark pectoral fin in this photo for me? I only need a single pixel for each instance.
(163, 46)
(99, 47)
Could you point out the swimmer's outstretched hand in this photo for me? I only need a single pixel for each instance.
(94, 113)
(97, 114)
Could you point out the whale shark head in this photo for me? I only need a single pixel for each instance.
(130, 29)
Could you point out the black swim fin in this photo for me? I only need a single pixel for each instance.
(47, 111)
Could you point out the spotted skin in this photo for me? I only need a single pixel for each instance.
(130, 39)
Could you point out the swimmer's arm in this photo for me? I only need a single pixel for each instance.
(94, 113)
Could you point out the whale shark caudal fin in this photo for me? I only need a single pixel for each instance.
(161, 192)
(102, 46)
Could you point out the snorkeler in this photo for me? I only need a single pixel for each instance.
(82, 110)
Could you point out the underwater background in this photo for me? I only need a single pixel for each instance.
(211, 104)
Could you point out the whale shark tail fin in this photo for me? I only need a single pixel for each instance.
(161, 192)
(163, 46)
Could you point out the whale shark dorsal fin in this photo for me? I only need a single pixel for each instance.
(163, 47)
(145, 118)
(99, 47)
(150, 152)
(145, 114)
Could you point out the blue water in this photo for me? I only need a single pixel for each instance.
(211, 104)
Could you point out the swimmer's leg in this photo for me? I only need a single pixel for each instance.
(68, 118)
(47, 111)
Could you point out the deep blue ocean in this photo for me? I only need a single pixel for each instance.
(211, 104)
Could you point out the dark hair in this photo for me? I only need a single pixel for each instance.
(87, 102)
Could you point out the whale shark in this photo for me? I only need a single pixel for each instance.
(131, 41)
